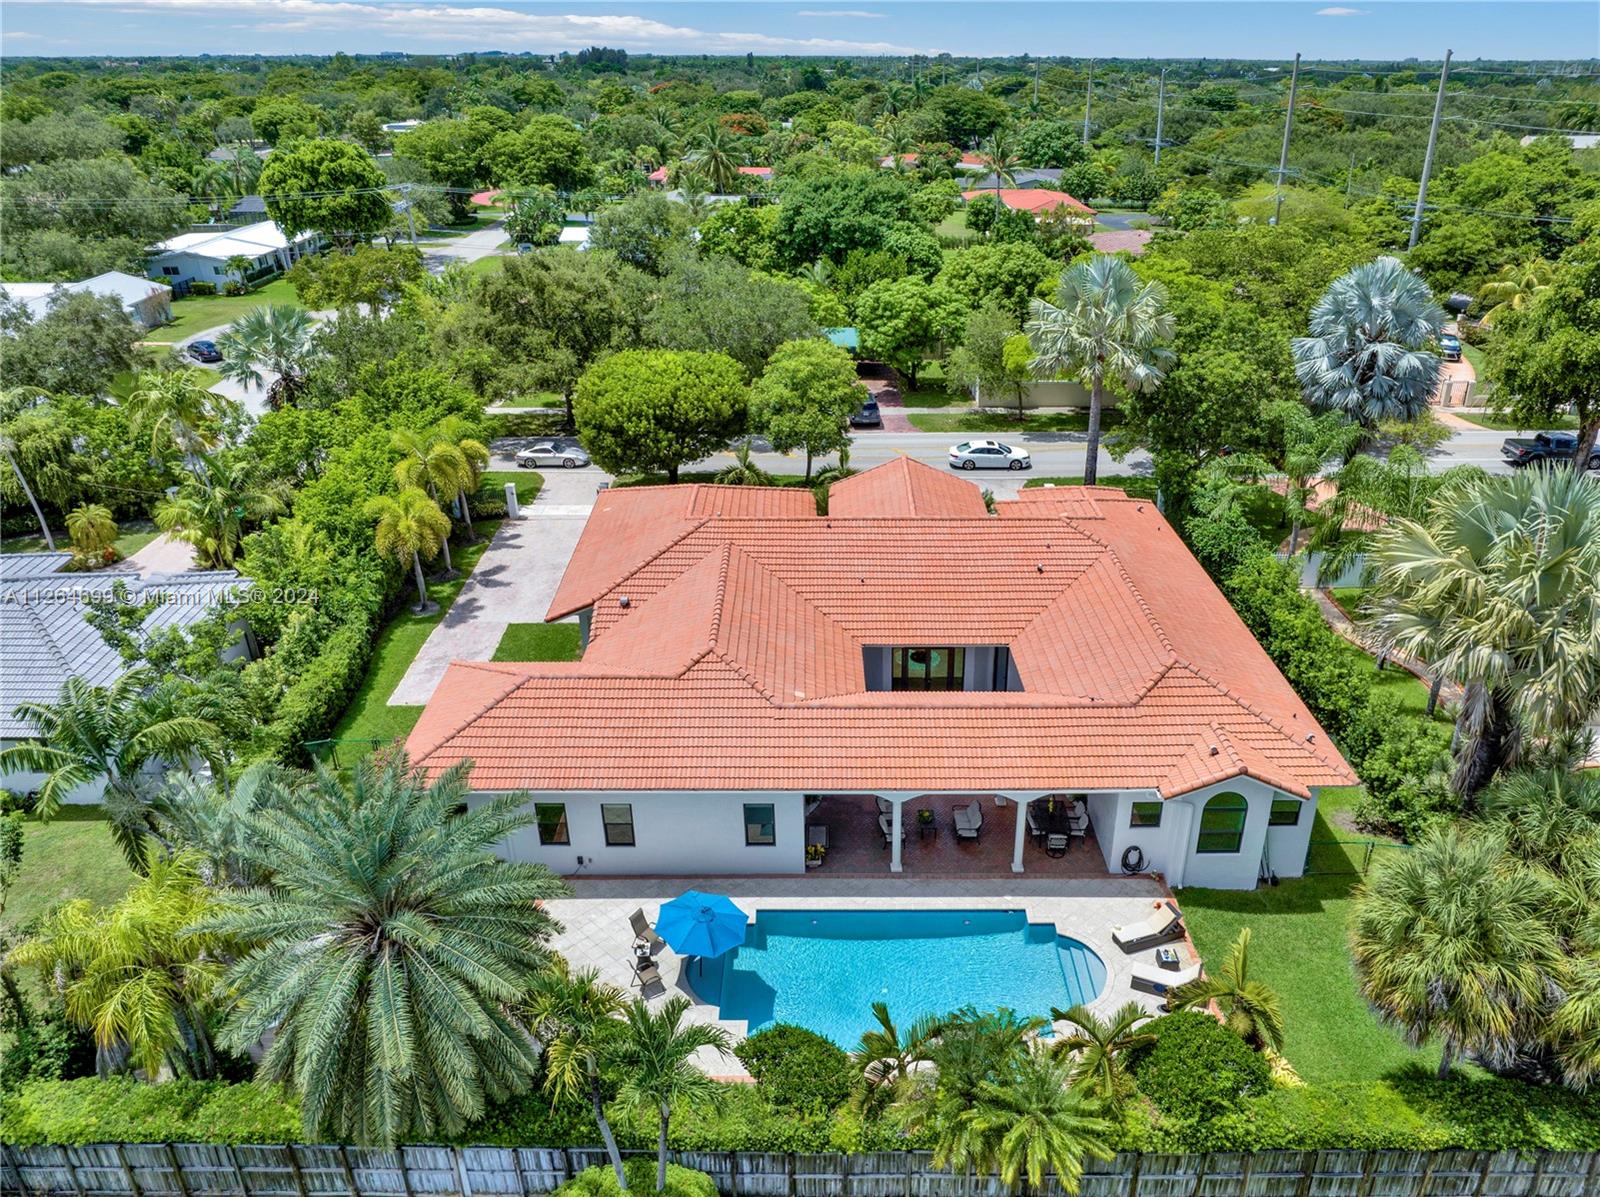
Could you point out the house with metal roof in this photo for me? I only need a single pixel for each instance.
(147, 303)
(204, 256)
(750, 666)
(45, 639)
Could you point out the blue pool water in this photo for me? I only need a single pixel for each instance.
(823, 969)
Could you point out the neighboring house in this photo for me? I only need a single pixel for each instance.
(248, 207)
(203, 257)
(1578, 141)
(574, 234)
(1045, 176)
(147, 304)
(1037, 200)
(746, 660)
(44, 638)
(658, 177)
(402, 126)
(226, 153)
(968, 163)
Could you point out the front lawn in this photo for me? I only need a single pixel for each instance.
(1135, 485)
(1505, 423)
(197, 313)
(1006, 421)
(486, 265)
(71, 856)
(538, 642)
(134, 535)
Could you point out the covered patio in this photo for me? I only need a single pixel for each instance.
(857, 845)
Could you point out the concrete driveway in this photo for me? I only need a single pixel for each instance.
(481, 243)
(513, 583)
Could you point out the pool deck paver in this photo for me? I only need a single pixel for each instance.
(596, 933)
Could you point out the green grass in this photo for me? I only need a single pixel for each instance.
(1504, 423)
(538, 642)
(197, 313)
(1474, 356)
(955, 225)
(482, 218)
(932, 397)
(135, 535)
(486, 265)
(71, 856)
(1139, 488)
(1004, 421)
(492, 484)
(700, 476)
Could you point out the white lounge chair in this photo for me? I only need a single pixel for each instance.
(886, 825)
(969, 821)
(1161, 925)
(1161, 981)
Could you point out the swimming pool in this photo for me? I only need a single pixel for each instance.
(823, 969)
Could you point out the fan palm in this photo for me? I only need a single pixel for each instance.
(178, 410)
(386, 956)
(654, 1052)
(1106, 324)
(213, 509)
(1449, 943)
(211, 819)
(410, 527)
(91, 527)
(576, 1018)
(274, 339)
(1366, 355)
(1095, 1047)
(116, 736)
(1498, 587)
(1515, 287)
(1548, 817)
(137, 974)
(1034, 1119)
(1249, 1008)
(716, 158)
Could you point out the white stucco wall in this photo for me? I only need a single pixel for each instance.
(676, 832)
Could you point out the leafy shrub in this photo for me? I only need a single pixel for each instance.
(198, 287)
(1197, 1068)
(128, 1111)
(44, 1045)
(1405, 769)
(486, 509)
(601, 1181)
(317, 698)
(1223, 541)
(17, 802)
(797, 1068)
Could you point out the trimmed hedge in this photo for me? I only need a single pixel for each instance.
(122, 1110)
(1197, 1068)
(798, 1069)
(601, 1181)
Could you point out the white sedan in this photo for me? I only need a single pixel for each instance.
(988, 455)
(549, 453)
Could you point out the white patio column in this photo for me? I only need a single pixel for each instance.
(894, 837)
(1021, 833)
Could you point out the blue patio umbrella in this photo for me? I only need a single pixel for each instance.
(697, 924)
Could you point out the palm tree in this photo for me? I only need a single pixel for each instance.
(179, 410)
(213, 509)
(1310, 442)
(8, 446)
(1096, 1045)
(238, 265)
(1367, 354)
(1034, 1119)
(743, 471)
(653, 1052)
(1498, 587)
(1106, 323)
(886, 1055)
(273, 339)
(457, 431)
(211, 819)
(115, 735)
(1548, 817)
(1448, 943)
(387, 955)
(576, 1017)
(998, 153)
(410, 527)
(1249, 1008)
(434, 465)
(716, 158)
(92, 529)
(1515, 287)
(138, 974)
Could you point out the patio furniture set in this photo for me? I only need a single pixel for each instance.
(1055, 823)
(692, 924)
(1162, 926)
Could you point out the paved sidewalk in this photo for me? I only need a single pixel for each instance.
(514, 582)
(163, 555)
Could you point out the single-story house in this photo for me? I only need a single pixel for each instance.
(147, 303)
(1044, 176)
(658, 177)
(394, 127)
(45, 639)
(968, 162)
(203, 256)
(747, 660)
(248, 206)
(848, 337)
(1037, 200)
(227, 153)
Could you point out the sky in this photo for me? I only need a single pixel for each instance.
(1268, 29)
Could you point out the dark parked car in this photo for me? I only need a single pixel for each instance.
(1450, 347)
(867, 417)
(204, 351)
(1545, 448)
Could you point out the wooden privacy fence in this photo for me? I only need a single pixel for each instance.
(215, 1170)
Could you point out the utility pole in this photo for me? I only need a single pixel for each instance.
(1161, 105)
(1088, 103)
(1427, 159)
(1036, 87)
(1350, 179)
(1283, 154)
(411, 222)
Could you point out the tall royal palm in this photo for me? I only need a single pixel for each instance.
(1034, 1120)
(213, 510)
(1249, 1008)
(1498, 587)
(716, 158)
(272, 339)
(410, 527)
(1095, 1047)
(117, 736)
(654, 1054)
(1449, 944)
(386, 958)
(1106, 323)
(1367, 354)
(577, 1017)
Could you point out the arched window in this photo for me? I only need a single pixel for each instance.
(1222, 823)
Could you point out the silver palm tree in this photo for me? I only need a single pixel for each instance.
(1107, 323)
(273, 339)
(1367, 354)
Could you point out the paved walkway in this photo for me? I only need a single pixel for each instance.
(514, 582)
(1450, 694)
(163, 555)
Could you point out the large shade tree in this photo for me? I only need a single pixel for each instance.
(642, 411)
(388, 954)
(1368, 354)
(325, 186)
(1106, 325)
(805, 398)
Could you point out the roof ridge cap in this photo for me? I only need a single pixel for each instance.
(1311, 748)
(512, 683)
(42, 631)
(741, 672)
(714, 643)
(695, 524)
(1138, 597)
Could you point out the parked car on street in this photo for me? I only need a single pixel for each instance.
(1450, 347)
(868, 417)
(204, 351)
(989, 455)
(1545, 448)
(552, 453)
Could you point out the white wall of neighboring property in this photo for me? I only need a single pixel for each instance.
(691, 833)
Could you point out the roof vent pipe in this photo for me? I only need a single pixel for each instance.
(623, 601)
(1213, 750)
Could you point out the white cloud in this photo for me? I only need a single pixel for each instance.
(1341, 12)
(483, 26)
(838, 12)
(22, 35)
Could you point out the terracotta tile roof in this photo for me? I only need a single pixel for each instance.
(1031, 199)
(904, 487)
(737, 661)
